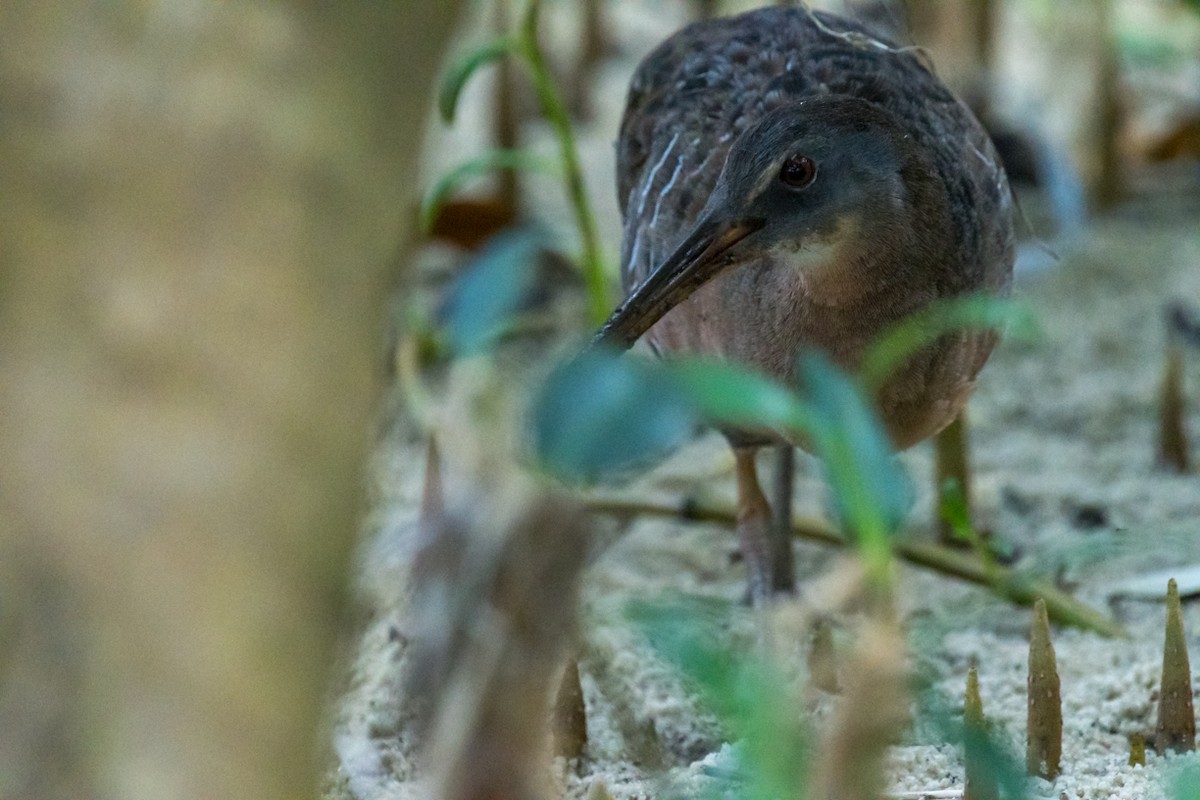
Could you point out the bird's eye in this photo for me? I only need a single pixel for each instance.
(798, 171)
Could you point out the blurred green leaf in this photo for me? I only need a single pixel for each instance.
(600, 413)
(727, 394)
(1146, 50)
(688, 636)
(480, 165)
(640, 397)
(993, 763)
(748, 696)
(1185, 785)
(464, 67)
(870, 488)
(922, 329)
(954, 510)
(490, 291)
(598, 404)
(985, 748)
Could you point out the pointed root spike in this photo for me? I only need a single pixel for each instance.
(1172, 437)
(570, 714)
(822, 660)
(1043, 753)
(1176, 727)
(433, 502)
(1137, 750)
(978, 783)
(973, 703)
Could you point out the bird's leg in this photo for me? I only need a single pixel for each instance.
(952, 463)
(784, 573)
(755, 529)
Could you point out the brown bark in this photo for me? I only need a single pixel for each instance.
(202, 210)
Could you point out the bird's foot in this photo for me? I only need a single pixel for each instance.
(767, 555)
(765, 542)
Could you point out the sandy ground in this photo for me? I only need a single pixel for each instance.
(1063, 432)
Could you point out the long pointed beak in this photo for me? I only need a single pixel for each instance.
(697, 260)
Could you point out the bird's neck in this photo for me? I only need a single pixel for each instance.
(884, 265)
(878, 266)
(905, 244)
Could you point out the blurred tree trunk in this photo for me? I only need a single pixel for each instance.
(594, 46)
(1109, 183)
(961, 37)
(507, 125)
(202, 210)
(706, 9)
(984, 18)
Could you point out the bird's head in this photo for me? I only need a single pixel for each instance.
(807, 177)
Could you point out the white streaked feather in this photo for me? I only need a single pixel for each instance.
(647, 184)
(666, 190)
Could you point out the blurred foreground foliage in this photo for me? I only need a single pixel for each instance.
(594, 415)
(597, 414)
(747, 693)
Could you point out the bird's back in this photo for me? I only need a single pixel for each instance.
(693, 95)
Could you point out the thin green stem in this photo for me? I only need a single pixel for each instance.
(555, 111)
(875, 547)
(1003, 581)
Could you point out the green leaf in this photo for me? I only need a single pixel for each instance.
(993, 764)
(600, 414)
(984, 747)
(748, 696)
(953, 509)
(464, 67)
(870, 488)
(727, 394)
(617, 401)
(1185, 784)
(480, 165)
(490, 291)
(687, 636)
(907, 337)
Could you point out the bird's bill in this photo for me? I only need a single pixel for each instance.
(697, 260)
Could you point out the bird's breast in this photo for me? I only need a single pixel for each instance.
(764, 314)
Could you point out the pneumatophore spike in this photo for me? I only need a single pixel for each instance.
(1043, 751)
(1176, 728)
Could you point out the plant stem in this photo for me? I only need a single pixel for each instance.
(555, 111)
(505, 123)
(1003, 581)
(952, 462)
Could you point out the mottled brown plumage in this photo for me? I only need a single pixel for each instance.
(907, 203)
